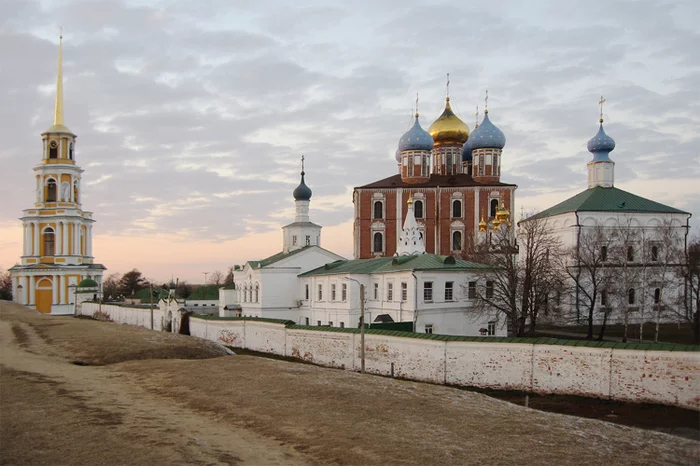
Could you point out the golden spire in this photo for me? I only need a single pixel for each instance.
(410, 199)
(58, 113)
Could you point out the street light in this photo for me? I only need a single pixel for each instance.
(362, 323)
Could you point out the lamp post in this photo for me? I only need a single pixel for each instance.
(362, 323)
(19, 294)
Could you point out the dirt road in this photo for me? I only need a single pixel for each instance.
(75, 391)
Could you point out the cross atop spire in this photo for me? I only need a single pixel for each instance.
(486, 102)
(302, 164)
(416, 104)
(476, 116)
(58, 111)
(601, 102)
(447, 87)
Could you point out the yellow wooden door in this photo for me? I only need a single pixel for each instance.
(44, 296)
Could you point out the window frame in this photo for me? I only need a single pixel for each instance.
(455, 246)
(429, 329)
(471, 290)
(320, 292)
(374, 242)
(449, 291)
(404, 292)
(428, 292)
(332, 292)
(457, 202)
(389, 292)
(416, 213)
(380, 204)
(344, 292)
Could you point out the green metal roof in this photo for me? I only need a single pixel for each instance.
(599, 199)
(279, 256)
(395, 264)
(205, 292)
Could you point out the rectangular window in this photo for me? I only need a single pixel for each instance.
(491, 328)
(376, 291)
(404, 292)
(330, 323)
(472, 290)
(307, 321)
(318, 323)
(428, 328)
(342, 325)
(294, 240)
(428, 292)
(320, 292)
(333, 292)
(449, 286)
(308, 240)
(390, 292)
(603, 298)
(307, 291)
(344, 292)
(489, 289)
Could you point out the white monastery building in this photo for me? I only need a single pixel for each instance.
(57, 252)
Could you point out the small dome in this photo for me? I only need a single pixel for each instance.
(416, 138)
(58, 129)
(448, 127)
(302, 192)
(486, 136)
(601, 145)
(88, 283)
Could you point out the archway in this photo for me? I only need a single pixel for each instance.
(43, 295)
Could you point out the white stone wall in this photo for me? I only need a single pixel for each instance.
(667, 377)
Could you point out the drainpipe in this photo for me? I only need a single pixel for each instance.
(415, 300)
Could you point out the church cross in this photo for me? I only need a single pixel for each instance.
(302, 163)
(476, 115)
(601, 102)
(448, 85)
(486, 102)
(416, 104)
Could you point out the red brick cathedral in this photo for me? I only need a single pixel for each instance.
(454, 179)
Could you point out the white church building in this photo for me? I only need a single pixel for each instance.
(630, 238)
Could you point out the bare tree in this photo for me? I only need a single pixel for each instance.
(666, 250)
(626, 254)
(5, 285)
(111, 286)
(689, 273)
(587, 265)
(523, 276)
(216, 278)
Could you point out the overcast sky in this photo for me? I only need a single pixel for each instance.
(191, 116)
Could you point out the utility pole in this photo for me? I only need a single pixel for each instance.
(362, 328)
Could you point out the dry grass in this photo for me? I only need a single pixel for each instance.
(226, 410)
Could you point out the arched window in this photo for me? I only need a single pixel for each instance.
(604, 253)
(378, 209)
(75, 191)
(378, 242)
(418, 209)
(70, 151)
(53, 150)
(630, 254)
(630, 296)
(257, 292)
(456, 208)
(457, 241)
(494, 169)
(654, 253)
(49, 242)
(657, 295)
(51, 191)
(493, 207)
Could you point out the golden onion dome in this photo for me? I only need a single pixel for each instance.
(448, 127)
(482, 224)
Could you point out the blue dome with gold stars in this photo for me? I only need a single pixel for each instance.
(416, 138)
(601, 145)
(486, 136)
(467, 151)
(302, 192)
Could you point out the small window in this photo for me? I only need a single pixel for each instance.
(603, 298)
(257, 293)
(604, 253)
(378, 210)
(318, 323)
(389, 292)
(495, 169)
(471, 287)
(308, 240)
(196, 305)
(51, 189)
(70, 151)
(657, 295)
(457, 241)
(320, 292)
(449, 291)
(428, 292)
(418, 209)
(404, 291)
(456, 208)
(344, 292)
(630, 296)
(53, 150)
(376, 291)
(306, 291)
(49, 242)
(428, 328)
(342, 325)
(307, 321)
(491, 330)
(333, 292)
(494, 207)
(654, 253)
(330, 323)
(489, 289)
(294, 240)
(378, 242)
(630, 254)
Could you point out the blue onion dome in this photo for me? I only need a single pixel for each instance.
(302, 192)
(486, 136)
(601, 145)
(397, 155)
(467, 152)
(416, 138)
